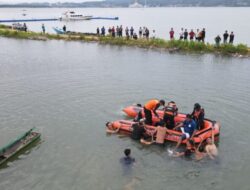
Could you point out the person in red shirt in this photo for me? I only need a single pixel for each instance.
(171, 34)
(191, 35)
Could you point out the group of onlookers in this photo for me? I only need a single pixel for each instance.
(129, 32)
(199, 35)
(19, 26)
(226, 36)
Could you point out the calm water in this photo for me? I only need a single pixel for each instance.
(215, 20)
(68, 90)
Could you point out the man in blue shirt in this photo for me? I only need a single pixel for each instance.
(188, 128)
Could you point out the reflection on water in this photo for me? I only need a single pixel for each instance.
(68, 90)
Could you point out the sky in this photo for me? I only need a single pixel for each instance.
(37, 1)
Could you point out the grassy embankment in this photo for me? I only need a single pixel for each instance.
(173, 45)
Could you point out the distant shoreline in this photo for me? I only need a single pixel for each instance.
(127, 3)
(75, 7)
(171, 46)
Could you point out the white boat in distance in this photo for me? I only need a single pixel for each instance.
(136, 5)
(72, 16)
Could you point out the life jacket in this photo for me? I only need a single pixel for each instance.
(150, 105)
(171, 108)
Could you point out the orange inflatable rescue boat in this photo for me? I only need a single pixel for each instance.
(172, 135)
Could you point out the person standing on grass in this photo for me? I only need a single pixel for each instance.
(98, 31)
(197, 35)
(191, 35)
(121, 31)
(131, 31)
(140, 32)
(153, 35)
(217, 40)
(25, 27)
(225, 37)
(181, 34)
(113, 31)
(43, 28)
(171, 33)
(147, 33)
(103, 31)
(127, 32)
(185, 34)
(231, 38)
(203, 35)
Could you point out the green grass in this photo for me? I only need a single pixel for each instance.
(4, 26)
(185, 46)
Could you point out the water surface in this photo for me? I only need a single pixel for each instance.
(68, 90)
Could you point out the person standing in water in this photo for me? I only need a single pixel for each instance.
(210, 148)
(127, 159)
(160, 131)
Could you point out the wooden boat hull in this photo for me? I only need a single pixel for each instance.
(13, 148)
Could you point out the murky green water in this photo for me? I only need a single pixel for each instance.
(68, 90)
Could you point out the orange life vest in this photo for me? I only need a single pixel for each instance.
(150, 105)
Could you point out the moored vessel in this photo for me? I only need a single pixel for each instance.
(14, 147)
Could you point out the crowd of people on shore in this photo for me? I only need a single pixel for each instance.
(200, 35)
(226, 36)
(20, 27)
(191, 124)
(144, 33)
(119, 31)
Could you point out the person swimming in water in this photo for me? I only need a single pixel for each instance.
(110, 129)
(127, 159)
(210, 148)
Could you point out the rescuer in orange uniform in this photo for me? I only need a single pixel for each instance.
(152, 105)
